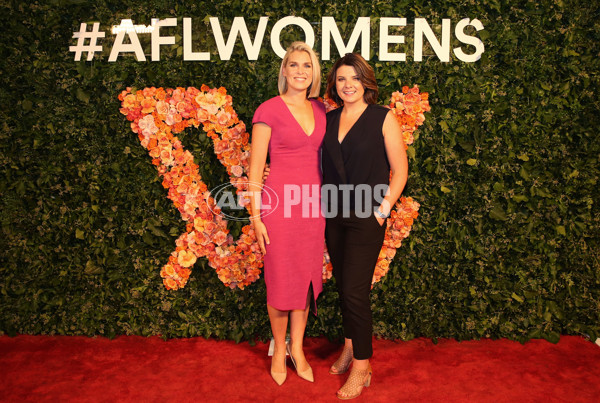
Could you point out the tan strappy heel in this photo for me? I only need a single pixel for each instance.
(357, 381)
(343, 362)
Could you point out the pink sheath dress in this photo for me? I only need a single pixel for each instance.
(291, 206)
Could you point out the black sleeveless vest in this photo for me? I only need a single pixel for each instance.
(359, 160)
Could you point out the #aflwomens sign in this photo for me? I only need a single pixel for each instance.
(127, 41)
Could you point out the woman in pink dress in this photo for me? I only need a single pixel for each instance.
(290, 227)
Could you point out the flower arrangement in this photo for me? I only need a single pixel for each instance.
(157, 114)
(409, 107)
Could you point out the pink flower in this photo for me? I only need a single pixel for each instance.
(147, 125)
(149, 91)
(181, 106)
(170, 120)
(223, 118)
(222, 146)
(178, 95)
(162, 107)
(219, 238)
(237, 170)
(201, 115)
(209, 227)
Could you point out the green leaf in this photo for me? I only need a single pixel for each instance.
(445, 189)
(552, 337)
(83, 96)
(27, 105)
(91, 268)
(561, 230)
(497, 213)
(79, 234)
(517, 298)
(471, 161)
(524, 174)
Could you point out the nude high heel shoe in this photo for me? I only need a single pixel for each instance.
(279, 377)
(306, 374)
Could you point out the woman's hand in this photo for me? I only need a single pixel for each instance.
(261, 235)
(266, 173)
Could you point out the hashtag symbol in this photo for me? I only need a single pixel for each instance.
(91, 47)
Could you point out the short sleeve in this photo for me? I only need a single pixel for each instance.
(263, 114)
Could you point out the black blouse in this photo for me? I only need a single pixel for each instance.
(359, 160)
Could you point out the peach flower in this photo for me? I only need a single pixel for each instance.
(162, 107)
(186, 258)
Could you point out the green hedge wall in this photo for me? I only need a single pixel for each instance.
(505, 168)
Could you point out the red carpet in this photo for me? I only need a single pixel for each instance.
(42, 368)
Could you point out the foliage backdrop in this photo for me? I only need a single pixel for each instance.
(505, 168)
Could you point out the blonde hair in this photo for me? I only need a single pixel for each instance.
(315, 87)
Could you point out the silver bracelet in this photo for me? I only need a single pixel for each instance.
(381, 215)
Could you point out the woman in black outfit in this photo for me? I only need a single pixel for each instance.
(362, 144)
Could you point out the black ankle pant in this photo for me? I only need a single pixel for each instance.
(354, 244)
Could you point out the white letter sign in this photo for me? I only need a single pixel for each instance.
(362, 29)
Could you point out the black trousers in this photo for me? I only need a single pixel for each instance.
(354, 244)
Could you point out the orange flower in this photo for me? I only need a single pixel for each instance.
(160, 94)
(384, 265)
(169, 270)
(170, 284)
(130, 101)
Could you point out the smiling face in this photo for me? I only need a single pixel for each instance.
(298, 71)
(348, 85)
